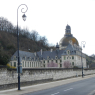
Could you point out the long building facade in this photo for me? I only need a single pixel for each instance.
(67, 55)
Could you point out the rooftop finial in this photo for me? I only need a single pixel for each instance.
(67, 23)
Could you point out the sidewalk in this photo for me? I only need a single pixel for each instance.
(37, 87)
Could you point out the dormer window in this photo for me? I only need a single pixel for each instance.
(15, 57)
(47, 57)
(68, 52)
(55, 57)
(24, 58)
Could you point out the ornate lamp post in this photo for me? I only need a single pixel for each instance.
(24, 18)
(82, 44)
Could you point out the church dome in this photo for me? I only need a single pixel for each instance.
(67, 37)
(65, 41)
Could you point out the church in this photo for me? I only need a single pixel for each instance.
(67, 55)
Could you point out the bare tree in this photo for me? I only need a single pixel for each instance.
(34, 35)
(43, 40)
(5, 25)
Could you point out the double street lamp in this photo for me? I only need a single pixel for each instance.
(24, 18)
(82, 44)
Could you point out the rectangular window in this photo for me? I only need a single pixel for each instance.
(64, 57)
(14, 64)
(11, 63)
(56, 61)
(34, 64)
(73, 63)
(30, 64)
(38, 64)
(25, 64)
(60, 65)
(72, 57)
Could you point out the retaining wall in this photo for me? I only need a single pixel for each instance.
(9, 77)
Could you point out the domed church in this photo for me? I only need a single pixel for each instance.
(67, 37)
(67, 55)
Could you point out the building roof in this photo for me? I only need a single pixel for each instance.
(74, 50)
(23, 54)
(56, 54)
(49, 54)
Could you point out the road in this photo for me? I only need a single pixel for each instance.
(82, 87)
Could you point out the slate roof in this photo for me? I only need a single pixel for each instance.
(73, 50)
(48, 54)
(23, 54)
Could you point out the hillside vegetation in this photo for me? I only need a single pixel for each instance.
(28, 41)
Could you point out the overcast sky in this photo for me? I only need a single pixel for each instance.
(50, 17)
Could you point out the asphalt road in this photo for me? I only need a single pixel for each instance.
(82, 87)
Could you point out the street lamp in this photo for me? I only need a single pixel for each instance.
(82, 43)
(24, 18)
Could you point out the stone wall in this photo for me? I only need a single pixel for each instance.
(9, 77)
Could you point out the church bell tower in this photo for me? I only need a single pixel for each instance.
(68, 31)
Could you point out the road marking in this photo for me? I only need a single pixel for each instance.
(55, 93)
(68, 89)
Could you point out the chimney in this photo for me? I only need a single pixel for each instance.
(51, 50)
(35, 53)
(41, 51)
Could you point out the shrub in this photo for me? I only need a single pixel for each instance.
(9, 66)
(76, 67)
